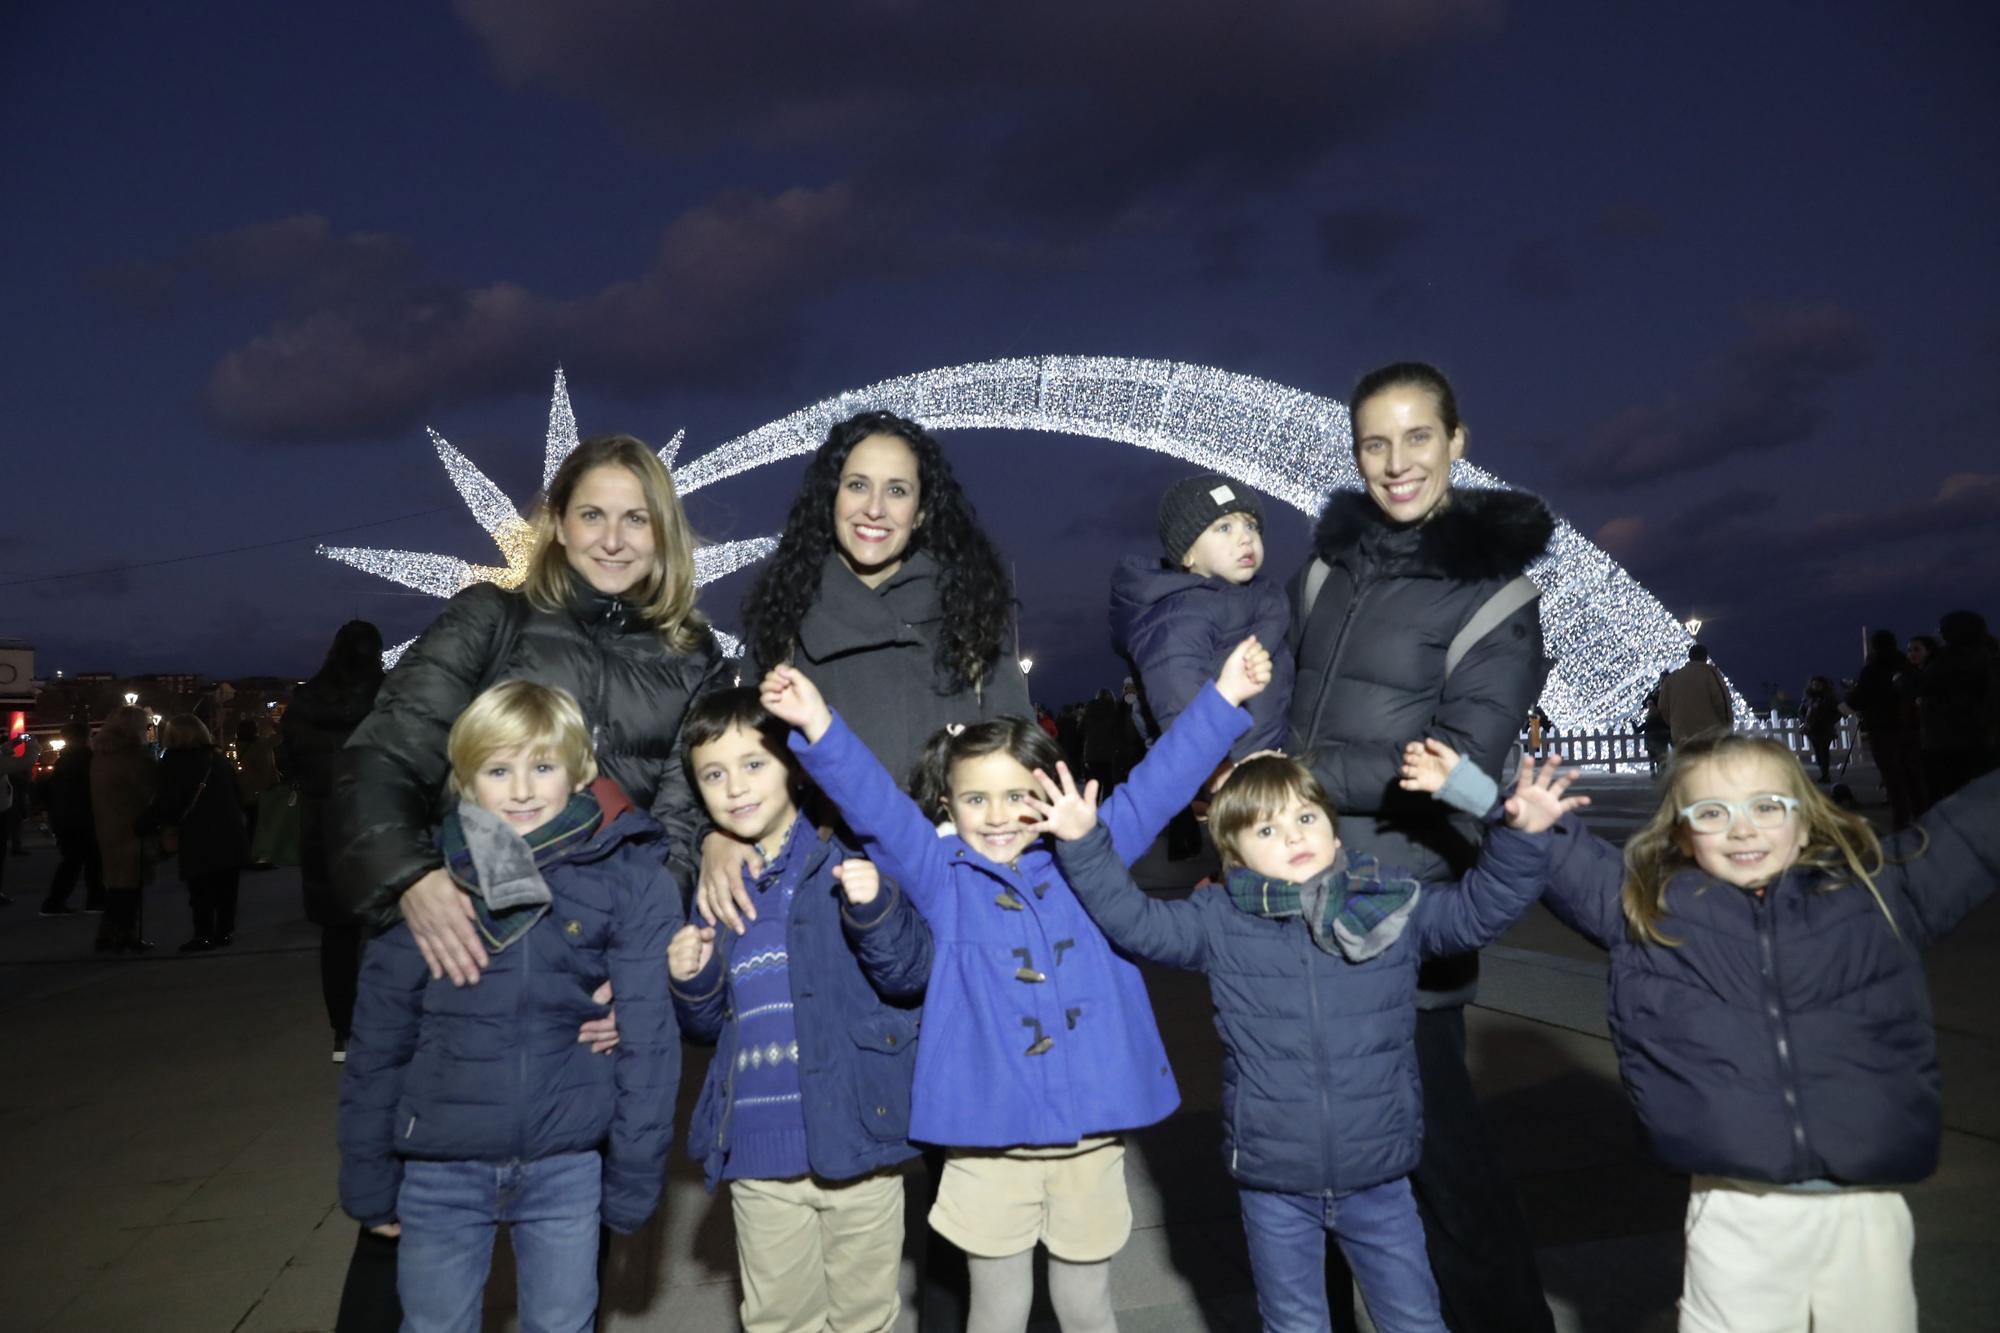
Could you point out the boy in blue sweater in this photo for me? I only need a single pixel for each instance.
(465, 1107)
(1311, 957)
(813, 1012)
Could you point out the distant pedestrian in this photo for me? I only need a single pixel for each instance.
(1958, 693)
(1819, 719)
(1884, 702)
(17, 764)
(1694, 698)
(323, 713)
(197, 800)
(123, 778)
(1653, 727)
(74, 829)
(256, 766)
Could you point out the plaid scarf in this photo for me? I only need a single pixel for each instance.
(1349, 908)
(502, 871)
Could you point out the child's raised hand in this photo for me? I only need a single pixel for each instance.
(1067, 813)
(1246, 673)
(794, 700)
(1538, 800)
(1426, 765)
(859, 880)
(689, 950)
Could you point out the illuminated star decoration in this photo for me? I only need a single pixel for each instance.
(1610, 639)
(445, 575)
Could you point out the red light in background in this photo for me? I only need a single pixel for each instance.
(17, 722)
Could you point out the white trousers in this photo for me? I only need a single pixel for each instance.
(1766, 1260)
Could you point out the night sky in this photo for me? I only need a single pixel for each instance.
(1717, 279)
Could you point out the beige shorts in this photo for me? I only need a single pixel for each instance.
(1073, 1200)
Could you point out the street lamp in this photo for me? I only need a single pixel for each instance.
(130, 698)
(1694, 624)
(1027, 665)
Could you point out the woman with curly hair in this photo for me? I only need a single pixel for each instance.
(885, 590)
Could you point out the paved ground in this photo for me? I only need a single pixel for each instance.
(167, 1159)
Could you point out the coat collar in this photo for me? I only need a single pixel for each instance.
(1480, 534)
(849, 616)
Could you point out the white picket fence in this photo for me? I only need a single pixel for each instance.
(1607, 749)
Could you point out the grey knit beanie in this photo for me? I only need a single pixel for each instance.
(1193, 503)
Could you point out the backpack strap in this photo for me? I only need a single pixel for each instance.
(1511, 597)
(1316, 574)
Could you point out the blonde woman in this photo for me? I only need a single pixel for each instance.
(607, 613)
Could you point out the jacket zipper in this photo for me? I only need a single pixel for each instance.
(1319, 1061)
(1361, 590)
(1772, 1010)
(521, 1054)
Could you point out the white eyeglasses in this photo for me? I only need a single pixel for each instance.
(1714, 817)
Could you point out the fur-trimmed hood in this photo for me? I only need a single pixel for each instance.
(1478, 535)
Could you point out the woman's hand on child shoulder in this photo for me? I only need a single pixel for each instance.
(689, 950)
(859, 880)
(1246, 673)
(1539, 798)
(1067, 812)
(1426, 765)
(794, 700)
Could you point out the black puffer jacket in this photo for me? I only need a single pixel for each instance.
(197, 797)
(323, 713)
(1787, 1037)
(873, 653)
(390, 778)
(1371, 673)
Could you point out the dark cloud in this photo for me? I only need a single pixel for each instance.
(990, 106)
(142, 288)
(1761, 395)
(1629, 222)
(1728, 553)
(1537, 273)
(368, 342)
(1222, 252)
(1364, 240)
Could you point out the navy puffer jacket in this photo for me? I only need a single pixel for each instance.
(1788, 1037)
(494, 1072)
(1371, 673)
(857, 976)
(1176, 629)
(1319, 1064)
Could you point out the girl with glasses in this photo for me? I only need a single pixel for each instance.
(1771, 1020)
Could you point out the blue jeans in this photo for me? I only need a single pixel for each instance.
(1379, 1232)
(449, 1210)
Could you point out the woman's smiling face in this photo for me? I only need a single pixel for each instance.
(877, 507)
(1404, 452)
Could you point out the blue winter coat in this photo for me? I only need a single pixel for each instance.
(494, 1072)
(1319, 1065)
(1787, 1037)
(1105, 1069)
(857, 976)
(1176, 629)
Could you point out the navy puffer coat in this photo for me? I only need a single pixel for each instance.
(857, 977)
(494, 1072)
(1319, 1064)
(1176, 629)
(633, 689)
(1788, 1037)
(1371, 673)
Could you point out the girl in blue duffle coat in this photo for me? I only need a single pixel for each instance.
(1772, 1022)
(1039, 1042)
